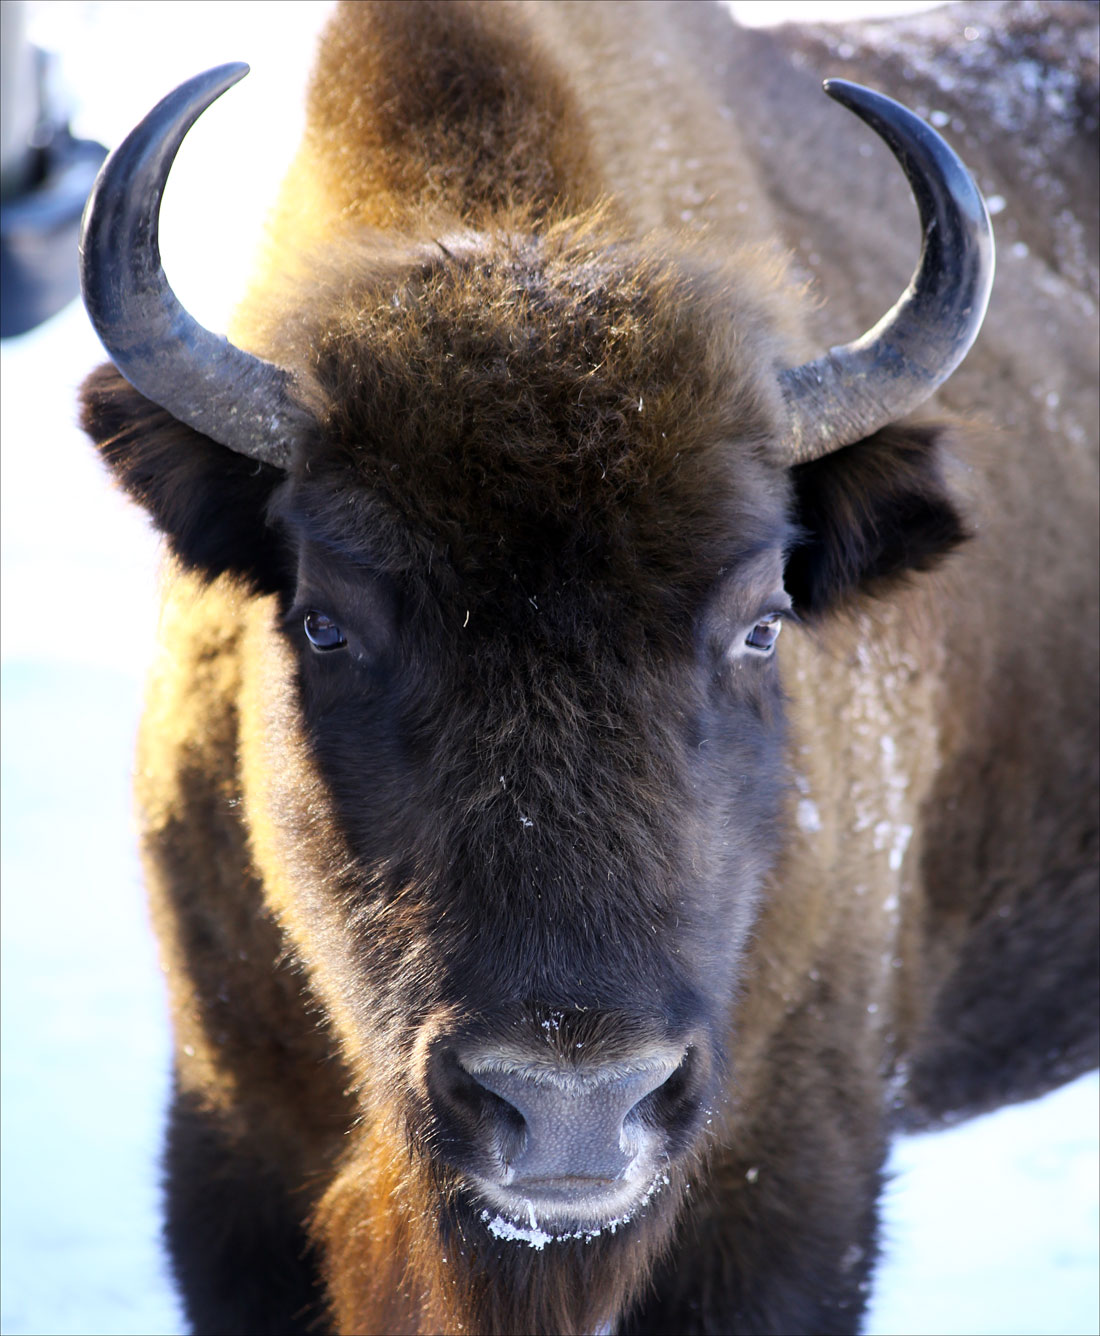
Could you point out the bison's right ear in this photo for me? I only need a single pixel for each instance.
(208, 501)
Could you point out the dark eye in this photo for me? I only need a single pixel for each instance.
(322, 631)
(765, 633)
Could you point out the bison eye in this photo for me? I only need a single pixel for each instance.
(322, 631)
(765, 633)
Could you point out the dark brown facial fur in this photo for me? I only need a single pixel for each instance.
(535, 689)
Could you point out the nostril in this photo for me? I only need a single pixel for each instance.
(675, 1106)
(471, 1116)
(455, 1087)
(507, 1120)
(676, 1088)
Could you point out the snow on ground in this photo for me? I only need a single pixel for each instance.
(991, 1227)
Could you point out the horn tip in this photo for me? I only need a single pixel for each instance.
(848, 94)
(230, 73)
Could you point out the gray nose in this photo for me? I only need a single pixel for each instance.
(576, 1124)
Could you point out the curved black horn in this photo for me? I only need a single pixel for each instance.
(854, 390)
(234, 398)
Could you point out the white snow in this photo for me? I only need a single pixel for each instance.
(504, 1229)
(807, 816)
(990, 1227)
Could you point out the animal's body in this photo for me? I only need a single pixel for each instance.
(553, 860)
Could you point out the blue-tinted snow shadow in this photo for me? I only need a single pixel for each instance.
(84, 1040)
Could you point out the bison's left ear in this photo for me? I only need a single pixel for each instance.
(869, 515)
(208, 501)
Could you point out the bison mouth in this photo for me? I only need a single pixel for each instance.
(555, 1210)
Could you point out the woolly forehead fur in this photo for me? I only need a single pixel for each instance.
(537, 408)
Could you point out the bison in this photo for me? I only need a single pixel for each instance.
(548, 951)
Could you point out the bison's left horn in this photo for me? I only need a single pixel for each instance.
(234, 398)
(854, 390)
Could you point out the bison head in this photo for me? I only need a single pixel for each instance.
(513, 509)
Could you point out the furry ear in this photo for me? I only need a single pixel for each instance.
(209, 502)
(869, 515)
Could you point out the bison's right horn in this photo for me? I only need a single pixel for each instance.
(234, 398)
(854, 390)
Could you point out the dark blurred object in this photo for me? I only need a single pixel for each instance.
(45, 177)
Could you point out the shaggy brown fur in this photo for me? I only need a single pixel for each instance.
(526, 273)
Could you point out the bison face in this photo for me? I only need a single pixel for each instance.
(527, 663)
(552, 829)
